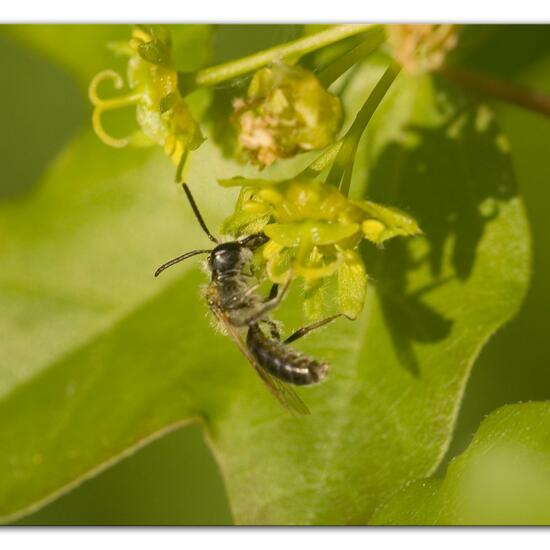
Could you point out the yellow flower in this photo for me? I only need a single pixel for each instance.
(314, 232)
(161, 112)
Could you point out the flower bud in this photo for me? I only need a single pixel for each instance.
(421, 48)
(287, 111)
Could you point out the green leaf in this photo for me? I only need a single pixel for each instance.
(514, 365)
(352, 285)
(77, 267)
(320, 232)
(98, 357)
(503, 478)
(386, 413)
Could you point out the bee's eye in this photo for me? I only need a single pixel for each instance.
(226, 256)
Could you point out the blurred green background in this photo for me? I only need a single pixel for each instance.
(175, 480)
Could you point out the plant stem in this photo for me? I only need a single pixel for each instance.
(331, 72)
(340, 173)
(499, 89)
(298, 47)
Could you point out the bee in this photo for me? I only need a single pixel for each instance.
(232, 296)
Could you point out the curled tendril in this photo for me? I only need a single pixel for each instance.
(162, 115)
(102, 105)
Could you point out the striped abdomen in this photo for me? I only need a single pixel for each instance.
(282, 361)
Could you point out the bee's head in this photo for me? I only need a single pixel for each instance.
(226, 257)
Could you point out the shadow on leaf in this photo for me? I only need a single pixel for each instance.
(451, 173)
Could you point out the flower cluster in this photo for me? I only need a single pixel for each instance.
(421, 48)
(314, 232)
(286, 111)
(161, 112)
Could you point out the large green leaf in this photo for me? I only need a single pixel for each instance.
(503, 478)
(513, 366)
(387, 412)
(78, 257)
(99, 357)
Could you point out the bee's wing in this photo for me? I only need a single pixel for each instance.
(282, 391)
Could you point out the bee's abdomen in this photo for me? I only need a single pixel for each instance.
(282, 361)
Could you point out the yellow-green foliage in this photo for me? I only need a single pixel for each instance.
(161, 112)
(314, 231)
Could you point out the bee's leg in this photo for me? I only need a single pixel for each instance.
(270, 304)
(251, 290)
(308, 328)
(273, 292)
(236, 301)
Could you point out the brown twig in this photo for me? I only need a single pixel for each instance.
(499, 89)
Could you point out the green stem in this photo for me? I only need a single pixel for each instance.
(334, 70)
(340, 173)
(301, 46)
(322, 161)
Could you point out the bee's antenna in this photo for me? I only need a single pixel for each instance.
(179, 259)
(197, 213)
